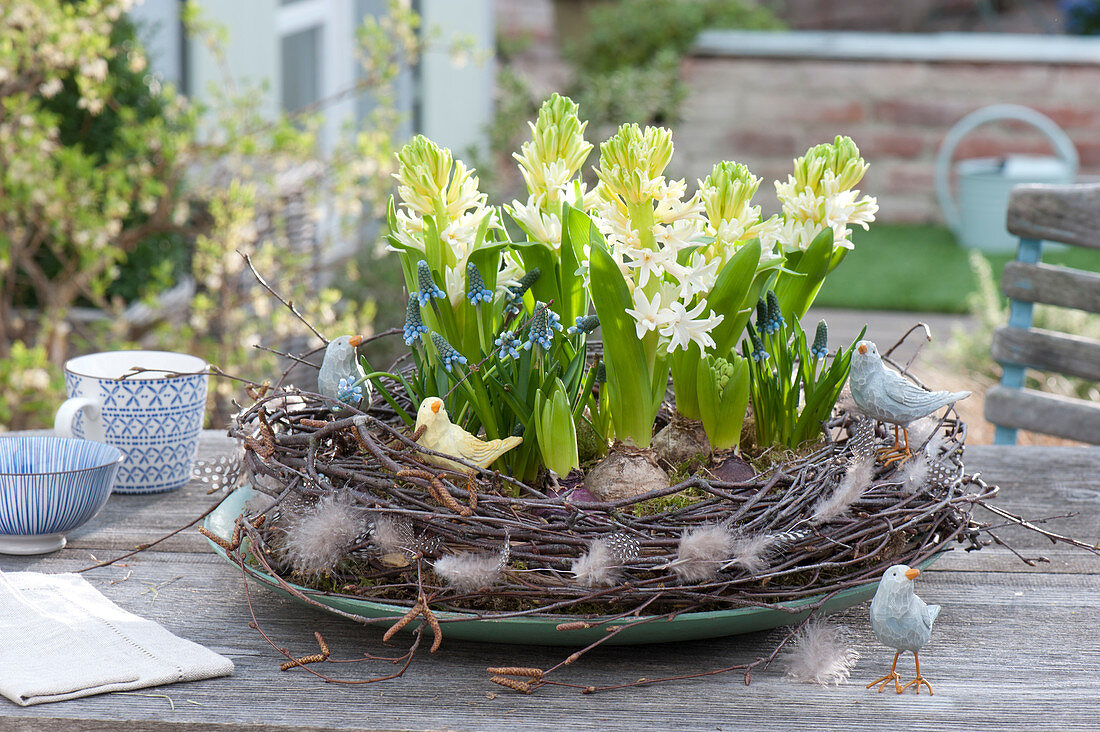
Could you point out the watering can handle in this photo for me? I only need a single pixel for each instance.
(1063, 146)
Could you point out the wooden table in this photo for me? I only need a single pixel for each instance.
(1015, 647)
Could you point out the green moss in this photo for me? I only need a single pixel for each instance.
(679, 499)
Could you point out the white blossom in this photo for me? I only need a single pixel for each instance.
(685, 326)
(647, 313)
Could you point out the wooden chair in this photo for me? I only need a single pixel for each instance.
(1057, 213)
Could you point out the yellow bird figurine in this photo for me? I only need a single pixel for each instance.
(443, 436)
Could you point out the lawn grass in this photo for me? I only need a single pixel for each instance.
(918, 267)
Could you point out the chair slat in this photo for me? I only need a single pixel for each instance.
(1047, 283)
(1048, 351)
(1051, 414)
(1064, 213)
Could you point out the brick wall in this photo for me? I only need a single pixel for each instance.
(766, 111)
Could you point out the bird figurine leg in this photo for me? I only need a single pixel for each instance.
(897, 452)
(892, 676)
(919, 680)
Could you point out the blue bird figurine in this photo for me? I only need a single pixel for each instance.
(901, 620)
(341, 375)
(883, 394)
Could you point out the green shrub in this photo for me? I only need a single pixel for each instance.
(628, 63)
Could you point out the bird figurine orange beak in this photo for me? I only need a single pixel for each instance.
(912, 574)
(355, 340)
(862, 349)
(435, 406)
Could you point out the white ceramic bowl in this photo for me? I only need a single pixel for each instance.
(49, 486)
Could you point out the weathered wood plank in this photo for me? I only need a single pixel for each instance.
(1008, 645)
(1047, 350)
(1013, 648)
(1064, 213)
(1051, 284)
(1052, 414)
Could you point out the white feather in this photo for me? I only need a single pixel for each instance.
(914, 473)
(318, 540)
(820, 655)
(702, 552)
(392, 534)
(468, 571)
(935, 445)
(599, 566)
(921, 430)
(751, 552)
(855, 481)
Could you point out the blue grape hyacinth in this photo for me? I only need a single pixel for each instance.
(774, 322)
(758, 352)
(543, 324)
(508, 344)
(349, 392)
(476, 291)
(585, 324)
(447, 352)
(820, 348)
(517, 291)
(414, 326)
(428, 288)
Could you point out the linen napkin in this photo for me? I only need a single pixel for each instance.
(60, 638)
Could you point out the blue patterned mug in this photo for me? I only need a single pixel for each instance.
(154, 415)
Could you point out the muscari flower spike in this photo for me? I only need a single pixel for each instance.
(585, 324)
(517, 291)
(820, 348)
(758, 352)
(543, 324)
(475, 286)
(447, 352)
(349, 392)
(601, 373)
(508, 344)
(428, 288)
(774, 322)
(414, 327)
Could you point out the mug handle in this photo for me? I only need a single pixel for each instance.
(93, 420)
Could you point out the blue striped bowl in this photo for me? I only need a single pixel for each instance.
(51, 485)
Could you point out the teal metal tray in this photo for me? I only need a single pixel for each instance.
(543, 630)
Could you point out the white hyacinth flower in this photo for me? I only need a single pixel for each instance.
(647, 313)
(685, 326)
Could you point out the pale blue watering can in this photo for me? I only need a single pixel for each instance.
(977, 217)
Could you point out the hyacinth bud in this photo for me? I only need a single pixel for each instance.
(601, 373)
(761, 313)
(424, 169)
(414, 326)
(820, 348)
(556, 137)
(840, 157)
(428, 288)
(476, 291)
(723, 371)
(447, 352)
(632, 161)
(728, 191)
(426, 183)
